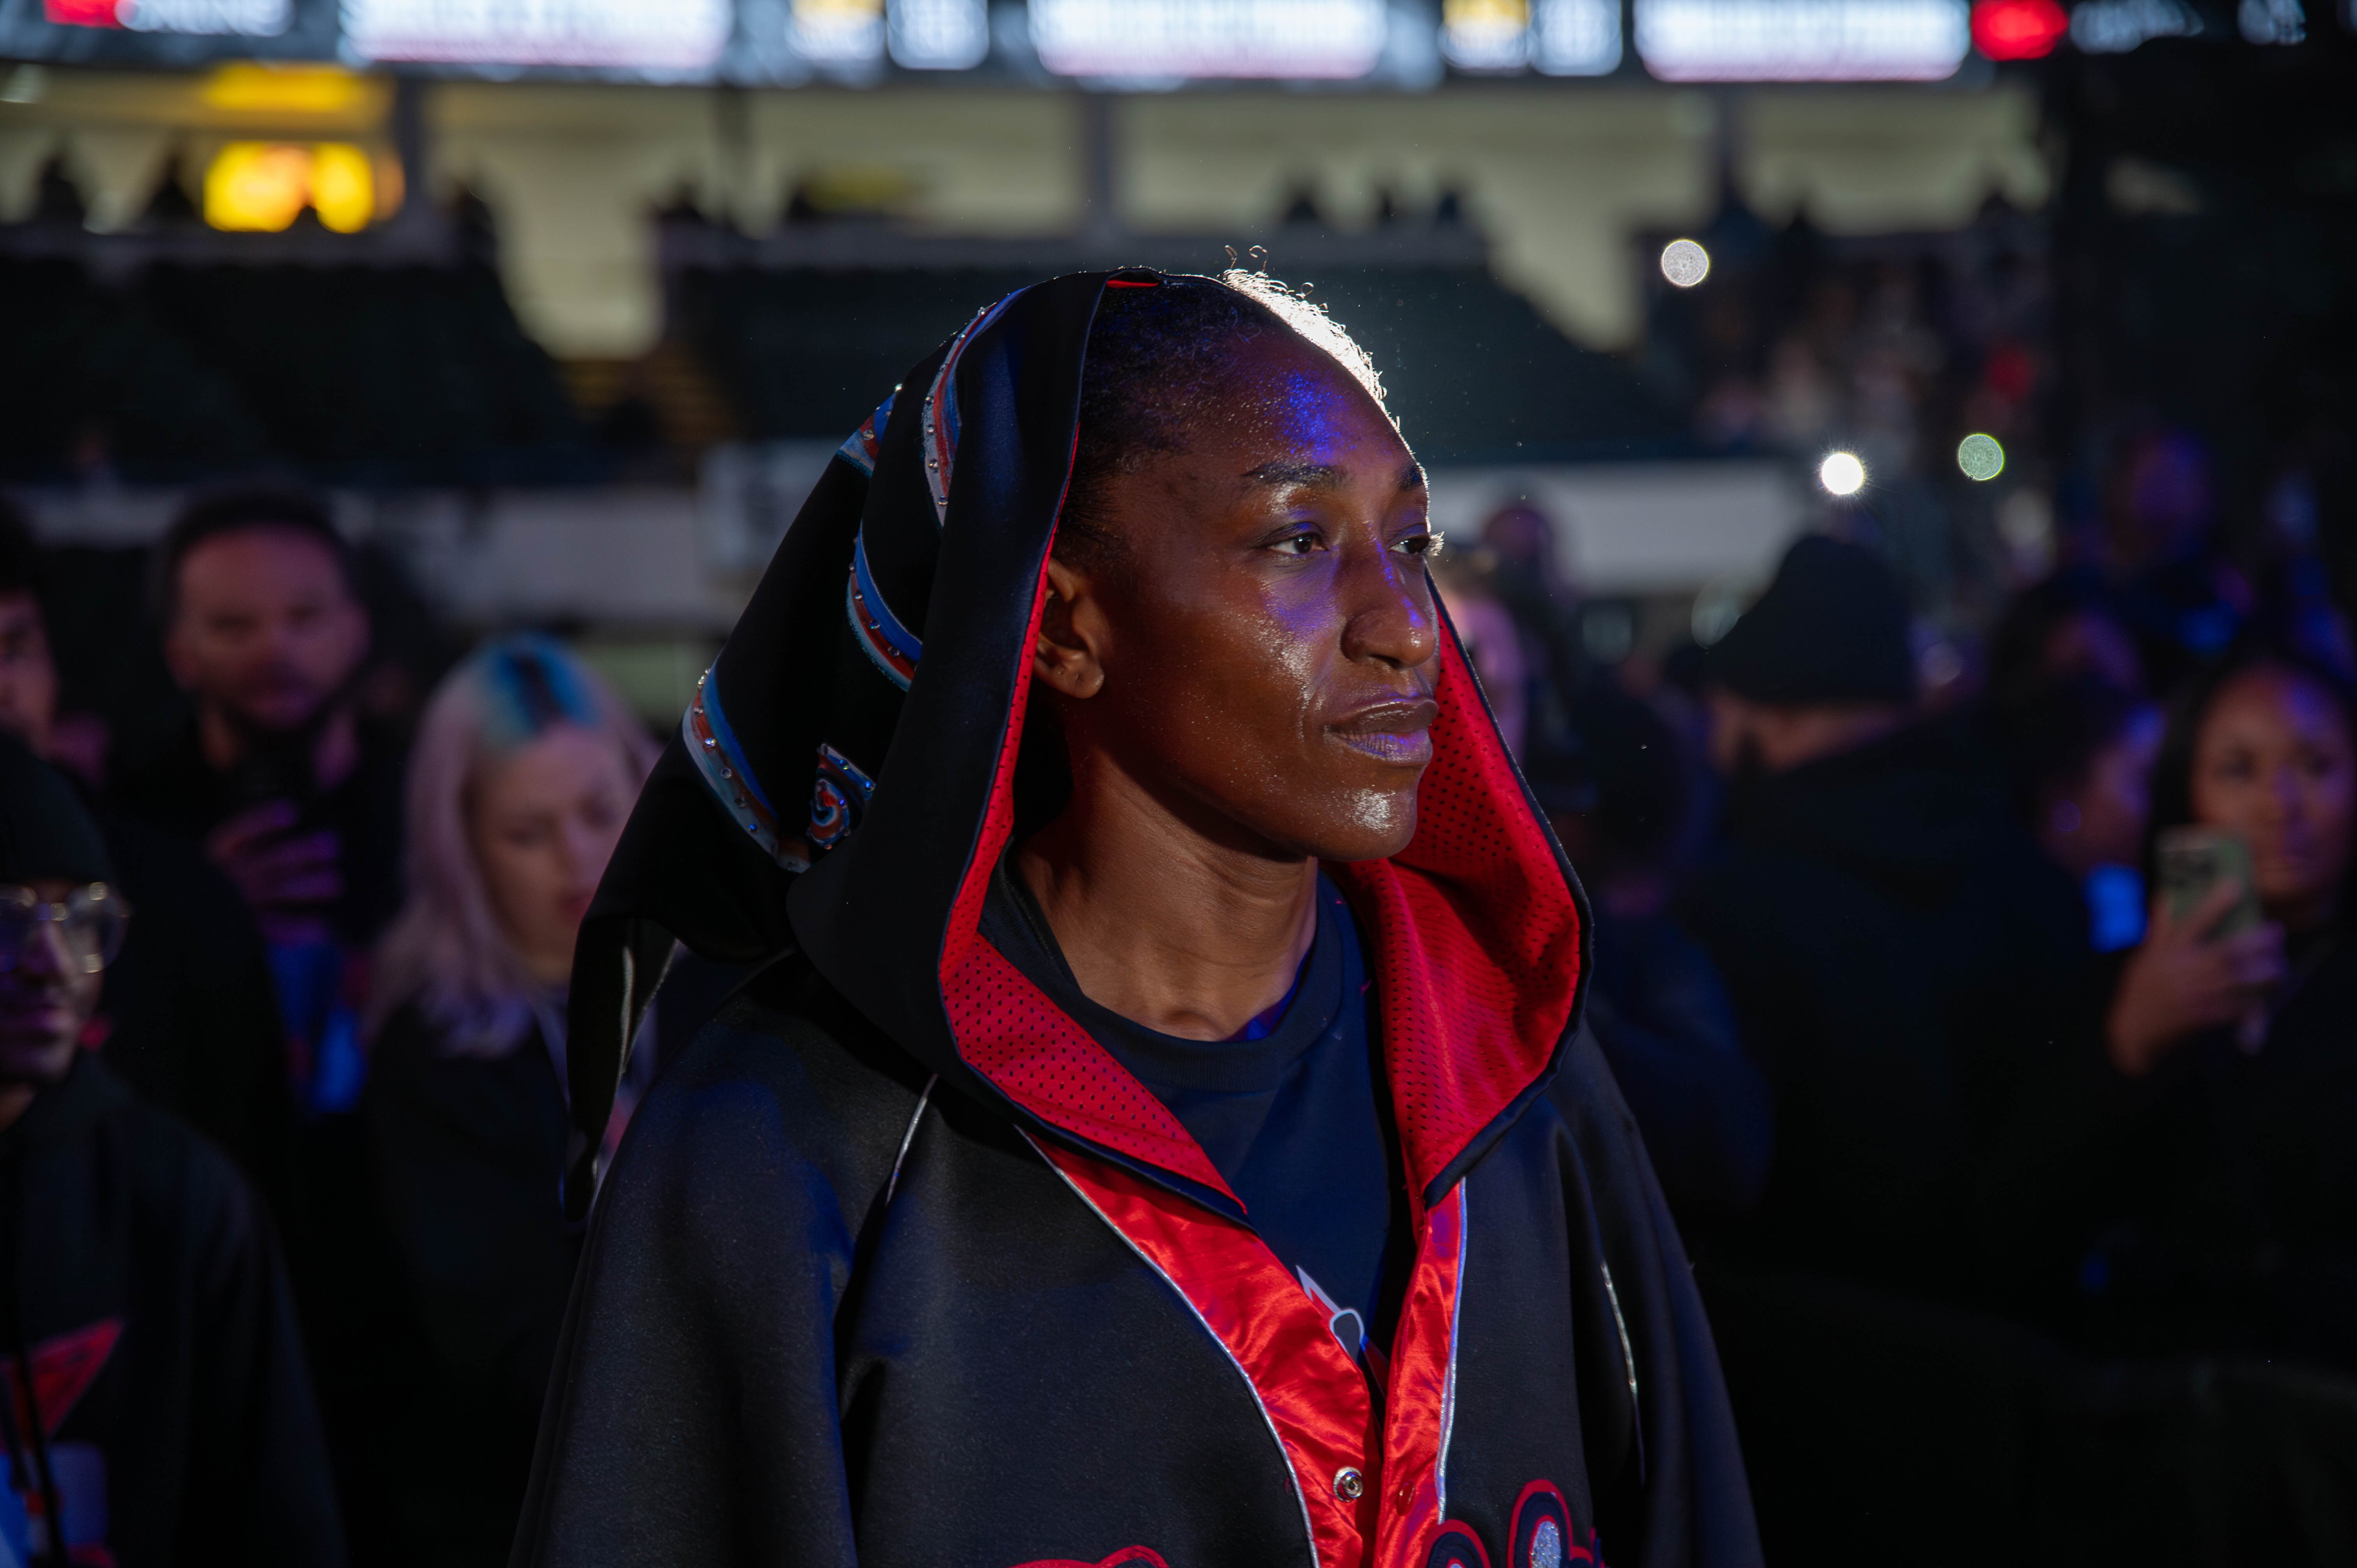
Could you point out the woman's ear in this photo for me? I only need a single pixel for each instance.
(1067, 655)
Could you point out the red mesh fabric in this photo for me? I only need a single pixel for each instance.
(1009, 1032)
(1476, 939)
(1476, 960)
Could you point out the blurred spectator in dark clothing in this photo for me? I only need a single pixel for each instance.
(2081, 751)
(189, 1019)
(158, 1408)
(1529, 553)
(2071, 624)
(2229, 1072)
(292, 795)
(1492, 640)
(1657, 1007)
(1894, 942)
(1524, 572)
(526, 770)
(2183, 598)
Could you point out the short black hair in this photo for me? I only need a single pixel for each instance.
(239, 511)
(1160, 355)
(20, 557)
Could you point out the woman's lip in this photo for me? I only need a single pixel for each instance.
(1391, 732)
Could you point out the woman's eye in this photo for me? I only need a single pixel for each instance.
(1296, 545)
(1425, 544)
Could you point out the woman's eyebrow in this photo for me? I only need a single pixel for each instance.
(1325, 476)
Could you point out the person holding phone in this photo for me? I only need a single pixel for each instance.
(2231, 1038)
(276, 775)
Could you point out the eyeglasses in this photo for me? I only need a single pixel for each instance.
(91, 920)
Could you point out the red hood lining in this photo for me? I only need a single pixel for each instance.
(1477, 958)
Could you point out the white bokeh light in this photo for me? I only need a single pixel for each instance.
(1685, 263)
(1842, 474)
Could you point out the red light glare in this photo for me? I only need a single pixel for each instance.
(2017, 29)
(80, 13)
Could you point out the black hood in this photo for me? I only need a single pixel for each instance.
(844, 783)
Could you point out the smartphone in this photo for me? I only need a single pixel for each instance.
(2192, 863)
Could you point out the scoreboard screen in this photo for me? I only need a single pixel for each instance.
(1114, 43)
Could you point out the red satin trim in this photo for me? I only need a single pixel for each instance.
(1313, 1393)
(1127, 1557)
(1423, 1388)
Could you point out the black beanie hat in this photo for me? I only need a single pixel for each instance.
(1832, 628)
(44, 831)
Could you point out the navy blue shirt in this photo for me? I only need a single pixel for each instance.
(1288, 1111)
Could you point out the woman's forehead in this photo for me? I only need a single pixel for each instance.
(2267, 696)
(1302, 417)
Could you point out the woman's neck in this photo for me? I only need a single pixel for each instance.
(1162, 923)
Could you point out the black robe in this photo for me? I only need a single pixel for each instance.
(899, 1265)
(144, 1284)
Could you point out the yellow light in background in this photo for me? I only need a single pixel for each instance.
(263, 187)
(247, 86)
(343, 187)
(257, 186)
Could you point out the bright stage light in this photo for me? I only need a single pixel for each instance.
(1575, 38)
(265, 186)
(2018, 30)
(939, 35)
(1328, 39)
(1980, 456)
(1685, 263)
(1802, 40)
(1842, 474)
(685, 35)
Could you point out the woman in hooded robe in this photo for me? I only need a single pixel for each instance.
(1163, 1133)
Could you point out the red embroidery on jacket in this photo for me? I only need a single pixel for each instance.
(63, 1369)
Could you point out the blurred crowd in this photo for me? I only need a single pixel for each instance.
(1991, 1035)
(286, 1247)
(1991, 1031)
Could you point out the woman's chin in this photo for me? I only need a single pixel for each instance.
(1371, 825)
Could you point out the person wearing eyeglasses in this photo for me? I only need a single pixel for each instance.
(189, 1019)
(157, 1409)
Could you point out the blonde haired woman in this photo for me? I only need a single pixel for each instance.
(524, 770)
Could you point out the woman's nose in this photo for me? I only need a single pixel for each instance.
(1390, 616)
